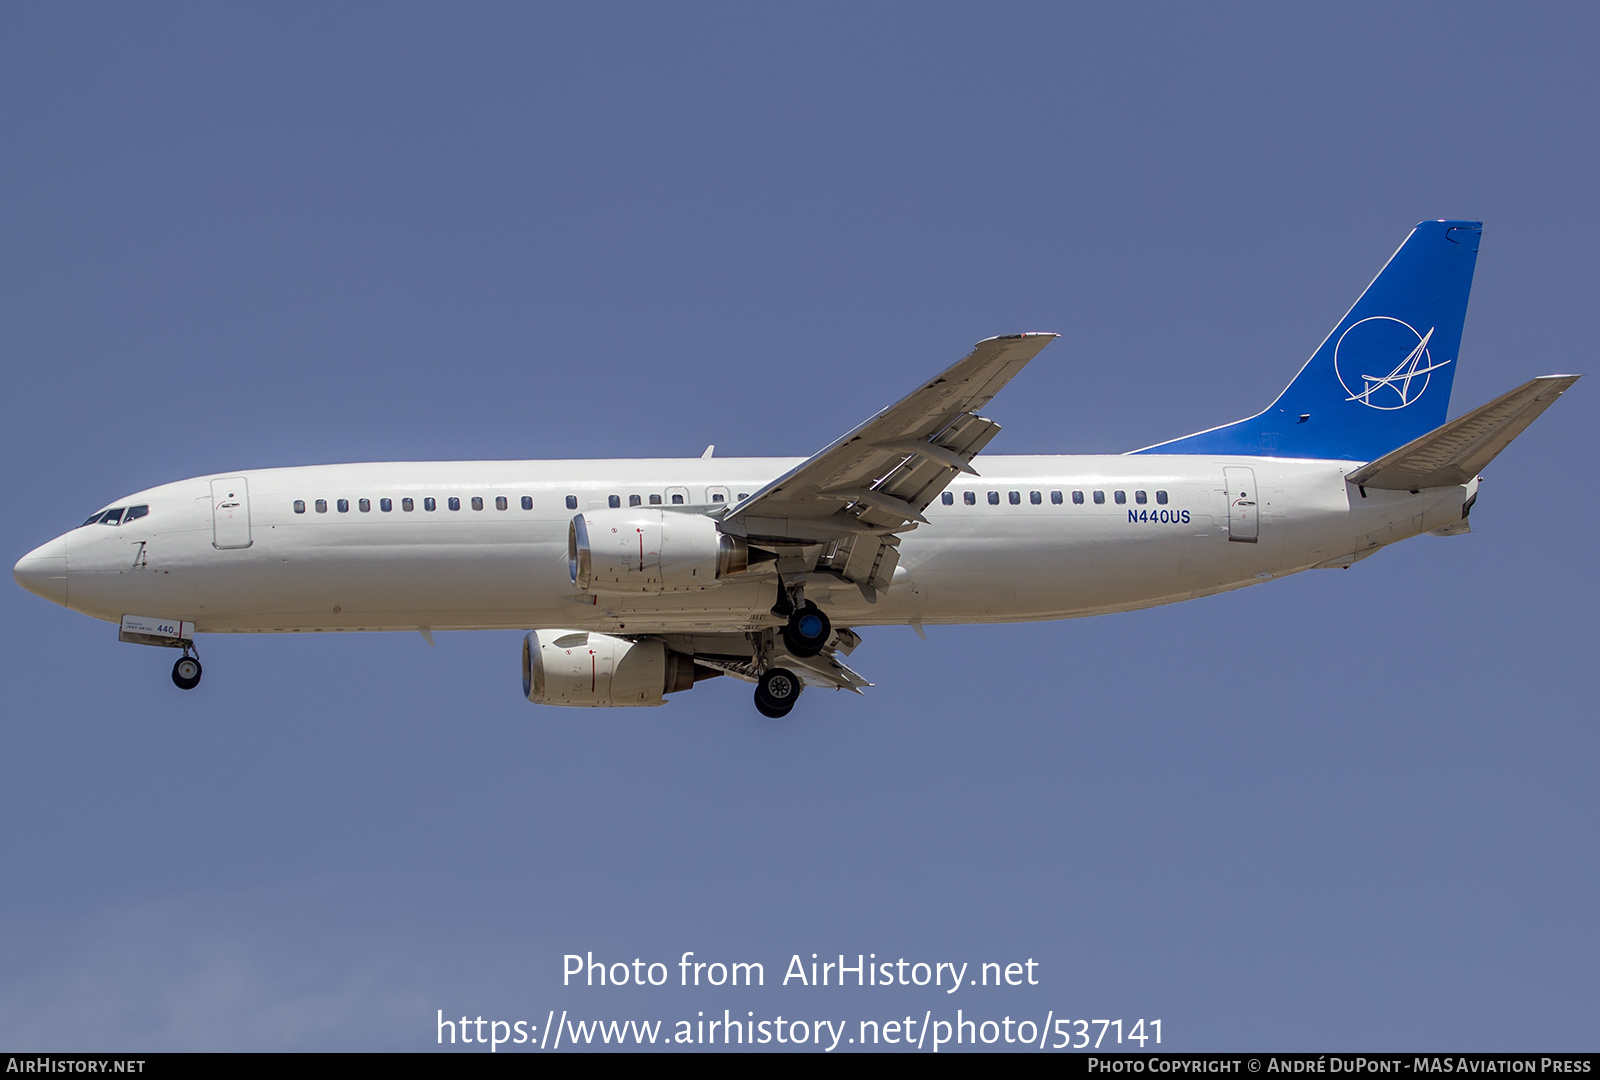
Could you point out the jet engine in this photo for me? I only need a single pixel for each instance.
(579, 667)
(652, 551)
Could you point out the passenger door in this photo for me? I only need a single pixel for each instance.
(1243, 512)
(230, 513)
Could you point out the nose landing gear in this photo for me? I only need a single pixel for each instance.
(186, 672)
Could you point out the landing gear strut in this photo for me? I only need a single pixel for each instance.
(785, 605)
(186, 672)
(776, 692)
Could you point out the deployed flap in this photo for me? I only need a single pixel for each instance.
(877, 480)
(1458, 451)
(825, 669)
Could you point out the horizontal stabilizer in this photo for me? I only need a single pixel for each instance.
(1458, 451)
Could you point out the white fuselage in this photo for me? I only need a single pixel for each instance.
(491, 568)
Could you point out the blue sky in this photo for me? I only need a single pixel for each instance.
(1349, 810)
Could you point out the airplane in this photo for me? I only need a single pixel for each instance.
(644, 577)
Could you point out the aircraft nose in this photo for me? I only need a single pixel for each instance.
(43, 571)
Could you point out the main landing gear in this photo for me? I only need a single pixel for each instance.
(807, 630)
(776, 692)
(186, 672)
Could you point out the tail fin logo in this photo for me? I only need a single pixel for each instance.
(1369, 348)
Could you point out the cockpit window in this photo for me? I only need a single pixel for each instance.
(115, 515)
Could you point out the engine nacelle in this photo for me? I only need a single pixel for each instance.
(581, 667)
(651, 551)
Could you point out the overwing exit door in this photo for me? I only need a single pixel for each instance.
(1243, 513)
(230, 513)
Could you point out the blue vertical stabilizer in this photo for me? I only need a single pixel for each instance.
(1383, 376)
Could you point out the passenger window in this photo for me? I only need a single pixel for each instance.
(716, 497)
(454, 503)
(500, 502)
(1015, 498)
(1077, 498)
(970, 498)
(1035, 498)
(634, 500)
(948, 498)
(365, 505)
(1161, 498)
(527, 502)
(477, 502)
(994, 498)
(429, 504)
(743, 496)
(299, 506)
(343, 505)
(407, 505)
(1099, 498)
(613, 501)
(1139, 497)
(386, 505)
(1121, 497)
(677, 500)
(1055, 498)
(111, 517)
(322, 506)
(572, 502)
(140, 511)
(655, 500)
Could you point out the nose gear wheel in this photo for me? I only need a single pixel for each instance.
(186, 672)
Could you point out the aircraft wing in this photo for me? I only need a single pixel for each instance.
(857, 494)
(1459, 450)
